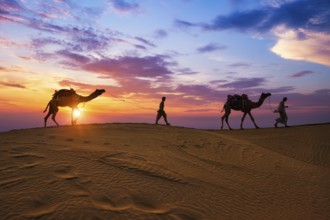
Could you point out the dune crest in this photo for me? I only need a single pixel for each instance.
(143, 171)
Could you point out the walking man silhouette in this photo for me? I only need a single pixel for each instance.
(161, 112)
(283, 119)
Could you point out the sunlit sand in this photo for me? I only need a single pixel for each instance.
(143, 171)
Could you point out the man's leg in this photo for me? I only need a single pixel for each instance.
(285, 119)
(165, 118)
(158, 117)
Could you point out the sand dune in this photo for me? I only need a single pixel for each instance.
(142, 171)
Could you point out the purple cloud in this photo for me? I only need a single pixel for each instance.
(302, 73)
(292, 14)
(41, 16)
(8, 6)
(74, 57)
(141, 47)
(325, 92)
(283, 89)
(185, 71)
(218, 81)
(240, 64)
(79, 40)
(184, 24)
(204, 93)
(42, 42)
(161, 33)
(144, 41)
(318, 99)
(152, 66)
(210, 48)
(244, 83)
(124, 6)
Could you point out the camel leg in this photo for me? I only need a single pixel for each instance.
(75, 121)
(253, 120)
(228, 122)
(225, 116)
(72, 117)
(242, 120)
(46, 118)
(53, 117)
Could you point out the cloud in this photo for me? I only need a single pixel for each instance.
(15, 85)
(124, 6)
(8, 6)
(240, 64)
(292, 14)
(210, 48)
(135, 75)
(244, 83)
(199, 93)
(74, 57)
(129, 67)
(218, 81)
(45, 15)
(161, 33)
(184, 24)
(282, 89)
(313, 47)
(144, 41)
(302, 73)
(317, 99)
(302, 28)
(76, 40)
(43, 42)
(185, 71)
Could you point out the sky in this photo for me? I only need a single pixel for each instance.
(194, 52)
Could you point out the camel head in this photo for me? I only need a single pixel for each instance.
(265, 95)
(99, 92)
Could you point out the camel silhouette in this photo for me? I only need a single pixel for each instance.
(245, 105)
(70, 98)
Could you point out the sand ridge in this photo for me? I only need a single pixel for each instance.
(143, 171)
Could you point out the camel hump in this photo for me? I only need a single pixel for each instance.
(64, 92)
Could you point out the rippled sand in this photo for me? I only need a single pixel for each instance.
(143, 171)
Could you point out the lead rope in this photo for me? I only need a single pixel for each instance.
(270, 105)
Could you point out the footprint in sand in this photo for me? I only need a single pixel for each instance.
(198, 146)
(41, 205)
(66, 172)
(139, 165)
(75, 184)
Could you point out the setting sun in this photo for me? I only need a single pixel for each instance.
(76, 113)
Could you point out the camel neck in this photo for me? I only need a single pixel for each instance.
(88, 98)
(259, 103)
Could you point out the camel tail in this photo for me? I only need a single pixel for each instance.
(46, 107)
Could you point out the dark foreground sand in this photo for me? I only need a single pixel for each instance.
(142, 171)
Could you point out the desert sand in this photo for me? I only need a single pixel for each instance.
(143, 171)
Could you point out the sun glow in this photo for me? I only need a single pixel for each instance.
(76, 113)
